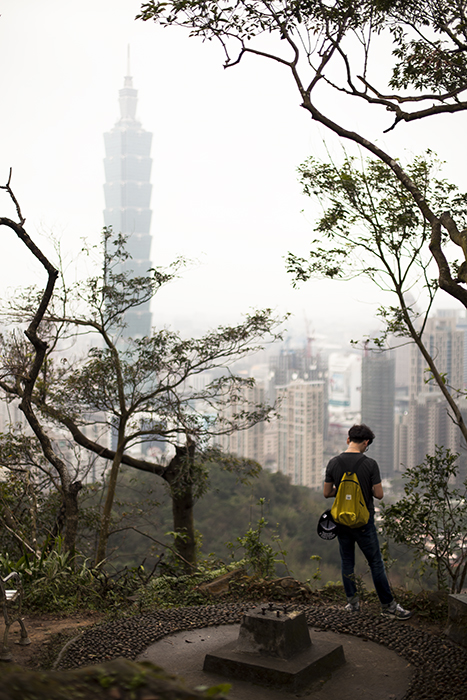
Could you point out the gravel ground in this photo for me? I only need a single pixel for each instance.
(441, 666)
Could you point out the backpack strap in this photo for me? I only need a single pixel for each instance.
(343, 467)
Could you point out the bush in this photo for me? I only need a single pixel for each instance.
(259, 557)
(431, 519)
(171, 591)
(52, 582)
(58, 581)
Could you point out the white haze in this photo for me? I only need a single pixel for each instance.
(226, 145)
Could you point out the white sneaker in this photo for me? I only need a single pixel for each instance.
(396, 611)
(353, 607)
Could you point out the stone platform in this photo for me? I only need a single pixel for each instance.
(371, 671)
(274, 649)
(457, 618)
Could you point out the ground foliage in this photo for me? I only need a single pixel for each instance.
(431, 519)
(228, 511)
(267, 527)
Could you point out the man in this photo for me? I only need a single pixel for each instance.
(367, 470)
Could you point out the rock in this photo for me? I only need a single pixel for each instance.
(287, 586)
(220, 585)
(286, 582)
(119, 679)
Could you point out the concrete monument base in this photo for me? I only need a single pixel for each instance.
(293, 675)
(457, 622)
(274, 649)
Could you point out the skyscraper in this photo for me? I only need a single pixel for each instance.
(127, 192)
(429, 420)
(378, 395)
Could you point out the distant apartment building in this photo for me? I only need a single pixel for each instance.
(445, 343)
(378, 399)
(401, 440)
(301, 431)
(11, 416)
(248, 443)
(428, 423)
(271, 439)
(298, 363)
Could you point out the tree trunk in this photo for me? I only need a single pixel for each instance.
(179, 475)
(184, 525)
(106, 515)
(70, 501)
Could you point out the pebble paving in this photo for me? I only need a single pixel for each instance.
(440, 666)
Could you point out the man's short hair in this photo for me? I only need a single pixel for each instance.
(360, 433)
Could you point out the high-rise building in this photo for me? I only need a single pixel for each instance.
(429, 422)
(245, 443)
(300, 432)
(345, 379)
(128, 194)
(445, 343)
(378, 396)
(299, 363)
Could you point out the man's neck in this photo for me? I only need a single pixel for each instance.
(356, 447)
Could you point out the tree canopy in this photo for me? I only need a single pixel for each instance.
(159, 389)
(332, 46)
(371, 226)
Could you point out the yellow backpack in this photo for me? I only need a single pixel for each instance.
(349, 507)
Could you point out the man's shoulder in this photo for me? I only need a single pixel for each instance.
(370, 462)
(335, 460)
(330, 469)
(348, 459)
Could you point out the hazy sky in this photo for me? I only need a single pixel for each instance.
(226, 146)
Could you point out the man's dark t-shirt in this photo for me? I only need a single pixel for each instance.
(367, 472)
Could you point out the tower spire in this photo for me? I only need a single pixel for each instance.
(128, 95)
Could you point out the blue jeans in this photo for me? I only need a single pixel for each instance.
(367, 540)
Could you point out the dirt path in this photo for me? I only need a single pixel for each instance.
(41, 629)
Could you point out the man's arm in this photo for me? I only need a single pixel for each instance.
(378, 491)
(329, 490)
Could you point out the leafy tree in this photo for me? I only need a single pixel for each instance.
(329, 47)
(26, 373)
(432, 519)
(143, 389)
(371, 227)
(32, 508)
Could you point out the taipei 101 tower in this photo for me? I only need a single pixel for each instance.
(127, 192)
